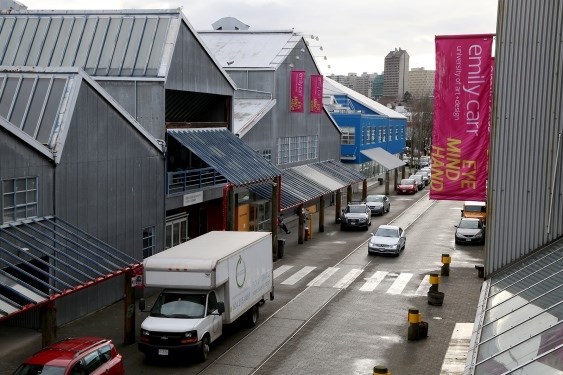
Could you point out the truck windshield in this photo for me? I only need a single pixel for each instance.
(179, 305)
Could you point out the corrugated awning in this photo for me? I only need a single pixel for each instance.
(227, 154)
(305, 183)
(384, 158)
(42, 259)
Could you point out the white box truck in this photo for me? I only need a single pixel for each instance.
(209, 281)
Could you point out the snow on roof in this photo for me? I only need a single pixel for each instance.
(252, 49)
(331, 87)
(247, 112)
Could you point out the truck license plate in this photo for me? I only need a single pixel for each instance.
(162, 351)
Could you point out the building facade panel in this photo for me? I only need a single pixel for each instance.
(524, 185)
(192, 69)
(100, 183)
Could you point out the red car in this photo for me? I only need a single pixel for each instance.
(75, 356)
(407, 186)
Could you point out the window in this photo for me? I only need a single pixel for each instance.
(300, 148)
(176, 230)
(19, 198)
(267, 154)
(348, 136)
(148, 242)
(211, 303)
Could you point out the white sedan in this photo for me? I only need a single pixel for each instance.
(387, 239)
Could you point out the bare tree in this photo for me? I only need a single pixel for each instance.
(422, 120)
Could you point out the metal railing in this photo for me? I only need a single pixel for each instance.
(193, 179)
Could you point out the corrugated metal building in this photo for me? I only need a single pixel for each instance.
(68, 150)
(519, 323)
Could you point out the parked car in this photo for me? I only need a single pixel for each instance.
(79, 355)
(355, 215)
(407, 186)
(427, 170)
(425, 177)
(378, 204)
(470, 230)
(419, 180)
(387, 239)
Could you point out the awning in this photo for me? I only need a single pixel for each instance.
(305, 183)
(227, 154)
(384, 158)
(42, 259)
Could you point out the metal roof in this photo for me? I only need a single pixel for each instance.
(520, 316)
(247, 112)
(129, 44)
(42, 259)
(37, 104)
(250, 49)
(305, 183)
(383, 157)
(227, 154)
(331, 87)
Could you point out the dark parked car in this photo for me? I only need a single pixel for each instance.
(80, 355)
(378, 204)
(470, 230)
(387, 239)
(355, 215)
(419, 180)
(407, 186)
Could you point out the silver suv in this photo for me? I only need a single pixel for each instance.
(355, 215)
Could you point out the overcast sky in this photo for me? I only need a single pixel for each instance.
(355, 35)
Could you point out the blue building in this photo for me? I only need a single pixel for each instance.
(373, 136)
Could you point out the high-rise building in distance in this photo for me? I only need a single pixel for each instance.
(362, 84)
(396, 73)
(421, 83)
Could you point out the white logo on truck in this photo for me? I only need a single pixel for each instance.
(241, 272)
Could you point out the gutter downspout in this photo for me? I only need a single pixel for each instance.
(553, 182)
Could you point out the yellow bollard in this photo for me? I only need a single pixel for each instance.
(414, 318)
(434, 281)
(435, 297)
(446, 260)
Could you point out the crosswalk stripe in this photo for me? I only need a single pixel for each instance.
(278, 271)
(348, 279)
(400, 283)
(298, 275)
(317, 281)
(424, 286)
(372, 282)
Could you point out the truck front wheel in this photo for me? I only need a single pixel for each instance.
(204, 349)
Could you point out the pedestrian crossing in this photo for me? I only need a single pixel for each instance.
(343, 277)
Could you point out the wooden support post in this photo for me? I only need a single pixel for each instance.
(231, 209)
(364, 190)
(322, 214)
(338, 205)
(301, 226)
(129, 309)
(349, 197)
(387, 182)
(396, 179)
(275, 214)
(48, 316)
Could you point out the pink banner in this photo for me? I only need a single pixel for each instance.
(462, 108)
(316, 93)
(297, 91)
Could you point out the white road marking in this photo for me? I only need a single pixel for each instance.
(424, 286)
(348, 279)
(456, 355)
(372, 282)
(278, 271)
(298, 275)
(319, 280)
(400, 283)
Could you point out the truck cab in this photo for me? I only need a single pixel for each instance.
(182, 322)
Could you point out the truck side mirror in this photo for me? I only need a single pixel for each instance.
(142, 304)
(221, 307)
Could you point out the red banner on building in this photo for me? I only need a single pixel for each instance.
(297, 99)
(462, 105)
(316, 93)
